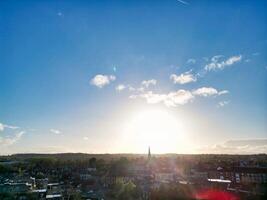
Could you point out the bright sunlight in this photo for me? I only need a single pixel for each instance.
(158, 129)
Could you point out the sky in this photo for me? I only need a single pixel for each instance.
(119, 76)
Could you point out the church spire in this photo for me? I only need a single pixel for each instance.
(149, 153)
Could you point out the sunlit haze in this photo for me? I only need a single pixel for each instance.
(156, 128)
(184, 77)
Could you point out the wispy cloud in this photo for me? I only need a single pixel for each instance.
(11, 137)
(60, 14)
(183, 78)
(144, 85)
(55, 131)
(223, 103)
(223, 92)
(102, 80)
(3, 126)
(172, 99)
(6, 141)
(191, 61)
(249, 146)
(218, 64)
(131, 88)
(183, 2)
(247, 142)
(209, 91)
(11, 127)
(179, 97)
(120, 87)
(147, 83)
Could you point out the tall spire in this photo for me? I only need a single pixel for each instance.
(149, 153)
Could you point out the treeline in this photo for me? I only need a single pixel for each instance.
(69, 156)
(81, 156)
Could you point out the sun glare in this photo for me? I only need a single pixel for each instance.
(158, 129)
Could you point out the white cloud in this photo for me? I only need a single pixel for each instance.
(205, 91)
(233, 60)
(6, 141)
(216, 58)
(183, 78)
(12, 137)
(102, 80)
(191, 61)
(208, 91)
(216, 65)
(223, 103)
(140, 89)
(147, 83)
(172, 99)
(55, 131)
(223, 92)
(120, 87)
(11, 127)
(247, 142)
(60, 14)
(183, 2)
(3, 126)
(131, 89)
(85, 138)
(179, 97)
(251, 146)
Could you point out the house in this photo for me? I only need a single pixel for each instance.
(39, 193)
(219, 183)
(248, 175)
(241, 175)
(111, 180)
(15, 188)
(41, 183)
(91, 169)
(164, 177)
(85, 176)
(93, 195)
(54, 197)
(54, 191)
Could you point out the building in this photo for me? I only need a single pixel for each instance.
(248, 175)
(15, 188)
(241, 175)
(164, 177)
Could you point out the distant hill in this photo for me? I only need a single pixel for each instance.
(81, 156)
(69, 156)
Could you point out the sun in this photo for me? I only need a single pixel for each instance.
(159, 129)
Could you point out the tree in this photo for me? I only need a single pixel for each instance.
(92, 162)
(122, 191)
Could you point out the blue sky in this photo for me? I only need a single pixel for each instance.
(202, 62)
